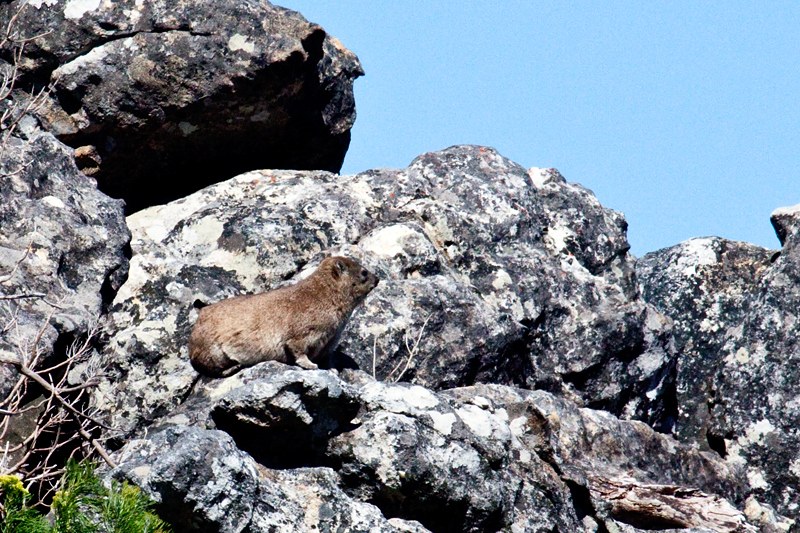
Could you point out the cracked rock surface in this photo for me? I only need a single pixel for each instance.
(735, 310)
(62, 249)
(162, 98)
(480, 458)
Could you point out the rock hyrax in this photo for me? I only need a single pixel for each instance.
(293, 324)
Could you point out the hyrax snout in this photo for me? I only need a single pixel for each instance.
(294, 324)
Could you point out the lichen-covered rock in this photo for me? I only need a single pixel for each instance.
(480, 458)
(735, 310)
(758, 383)
(705, 286)
(202, 482)
(62, 247)
(164, 98)
(490, 273)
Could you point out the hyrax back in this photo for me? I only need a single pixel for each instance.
(294, 324)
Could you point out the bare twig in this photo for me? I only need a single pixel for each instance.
(10, 275)
(374, 354)
(411, 351)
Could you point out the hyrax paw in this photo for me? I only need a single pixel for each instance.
(307, 364)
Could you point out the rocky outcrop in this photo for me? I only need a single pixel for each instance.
(482, 458)
(515, 370)
(706, 286)
(534, 288)
(162, 98)
(735, 308)
(62, 249)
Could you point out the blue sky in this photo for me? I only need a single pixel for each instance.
(685, 116)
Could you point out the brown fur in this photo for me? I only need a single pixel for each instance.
(293, 324)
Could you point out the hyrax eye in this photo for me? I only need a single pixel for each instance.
(364, 273)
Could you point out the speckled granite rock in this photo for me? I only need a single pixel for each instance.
(481, 458)
(62, 243)
(164, 98)
(756, 408)
(202, 482)
(735, 308)
(487, 276)
(706, 287)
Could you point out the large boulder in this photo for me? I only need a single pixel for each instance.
(706, 286)
(490, 273)
(163, 98)
(202, 482)
(756, 409)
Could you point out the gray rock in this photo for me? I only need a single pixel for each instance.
(759, 379)
(165, 98)
(735, 310)
(490, 273)
(706, 287)
(62, 248)
(786, 221)
(199, 479)
(481, 458)
(202, 482)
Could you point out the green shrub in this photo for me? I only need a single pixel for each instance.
(81, 505)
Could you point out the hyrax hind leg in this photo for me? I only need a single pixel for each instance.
(297, 352)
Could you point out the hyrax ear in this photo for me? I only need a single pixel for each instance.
(338, 268)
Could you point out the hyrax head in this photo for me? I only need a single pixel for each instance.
(349, 274)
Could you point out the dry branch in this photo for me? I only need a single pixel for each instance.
(670, 506)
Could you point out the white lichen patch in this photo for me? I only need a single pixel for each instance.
(142, 471)
(362, 191)
(501, 280)
(695, 253)
(240, 42)
(556, 237)
(483, 423)
(742, 356)
(456, 456)
(442, 422)
(539, 176)
(38, 3)
(398, 399)
(244, 264)
(224, 386)
(54, 202)
(481, 402)
(649, 362)
(389, 241)
(756, 431)
(518, 426)
(205, 231)
(94, 56)
(755, 478)
(75, 9)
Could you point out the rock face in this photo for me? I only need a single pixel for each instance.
(735, 309)
(62, 248)
(706, 286)
(162, 98)
(483, 458)
(535, 288)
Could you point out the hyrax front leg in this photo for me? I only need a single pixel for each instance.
(298, 352)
